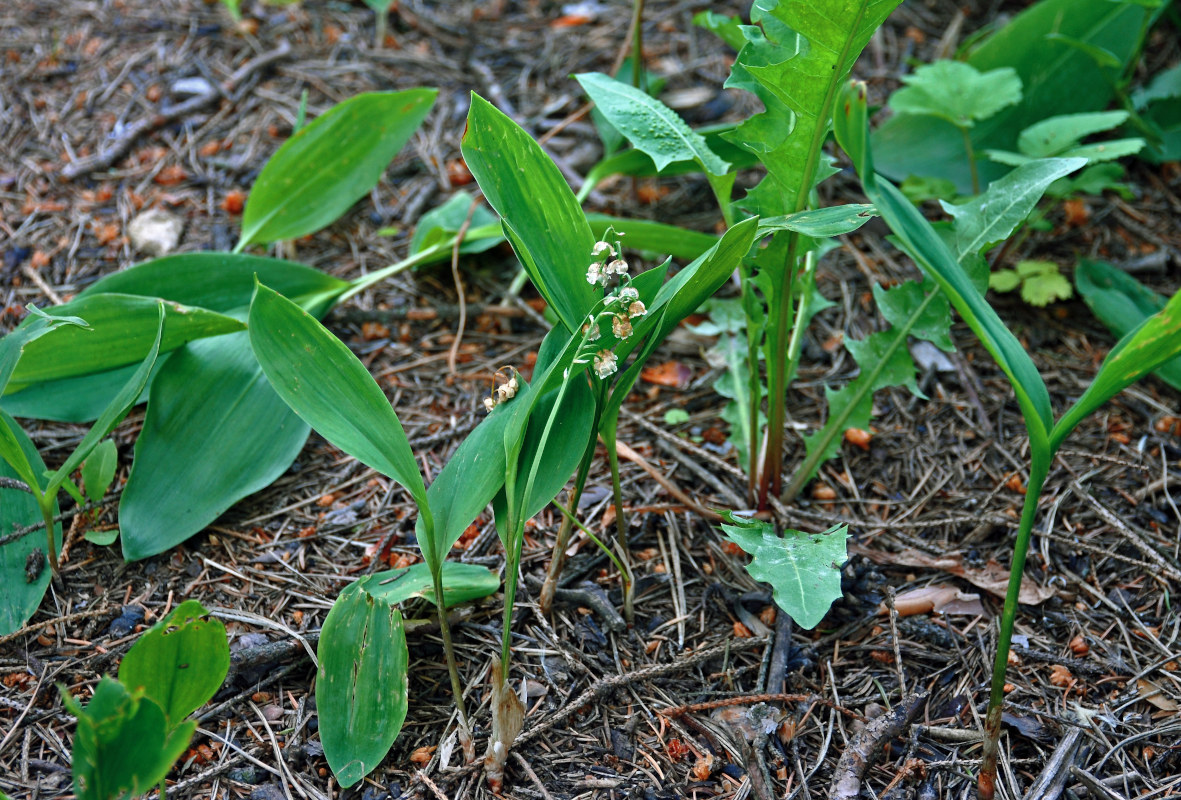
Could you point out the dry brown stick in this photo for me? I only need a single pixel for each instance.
(1133, 536)
(631, 455)
(34, 626)
(772, 697)
(105, 158)
(866, 748)
(453, 354)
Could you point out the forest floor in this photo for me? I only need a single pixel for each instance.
(933, 500)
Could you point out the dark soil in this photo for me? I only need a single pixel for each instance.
(941, 479)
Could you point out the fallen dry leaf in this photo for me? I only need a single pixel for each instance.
(992, 577)
(670, 373)
(941, 599)
(1060, 676)
(1153, 693)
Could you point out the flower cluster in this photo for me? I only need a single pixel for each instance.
(504, 392)
(621, 305)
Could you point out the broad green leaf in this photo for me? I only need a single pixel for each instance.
(20, 596)
(820, 223)
(992, 216)
(202, 451)
(13, 345)
(330, 164)
(1004, 280)
(657, 237)
(461, 583)
(804, 569)
(795, 62)
(650, 125)
(956, 92)
(361, 687)
(330, 389)
(114, 413)
(98, 470)
(446, 220)
(1056, 79)
(180, 662)
(728, 29)
(122, 328)
(220, 281)
(101, 538)
(547, 228)
(1122, 303)
(123, 745)
(1056, 135)
(1154, 342)
(922, 243)
(1042, 283)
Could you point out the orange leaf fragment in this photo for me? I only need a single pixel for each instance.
(741, 631)
(859, 437)
(570, 21)
(423, 754)
(1060, 676)
(171, 176)
(1075, 212)
(670, 373)
(703, 768)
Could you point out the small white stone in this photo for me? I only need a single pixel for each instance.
(155, 232)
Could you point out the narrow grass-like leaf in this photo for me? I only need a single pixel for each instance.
(461, 583)
(650, 125)
(330, 389)
(330, 164)
(24, 572)
(180, 662)
(361, 688)
(657, 237)
(524, 186)
(1155, 341)
(804, 569)
(122, 328)
(202, 451)
(820, 223)
(920, 241)
(1122, 303)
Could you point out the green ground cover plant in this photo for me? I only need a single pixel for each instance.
(134, 728)
(1156, 340)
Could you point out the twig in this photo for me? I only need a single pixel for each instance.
(1133, 536)
(453, 354)
(1096, 786)
(631, 455)
(771, 697)
(866, 748)
(533, 776)
(105, 158)
(1052, 782)
(13, 483)
(30, 628)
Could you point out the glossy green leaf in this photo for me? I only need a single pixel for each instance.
(180, 662)
(820, 223)
(361, 687)
(545, 225)
(804, 569)
(330, 164)
(13, 344)
(122, 328)
(1122, 303)
(1056, 135)
(921, 242)
(446, 220)
(202, 451)
(650, 125)
(220, 281)
(461, 583)
(795, 62)
(1154, 342)
(1056, 79)
(656, 237)
(123, 745)
(330, 389)
(992, 216)
(23, 558)
(98, 470)
(956, 92)
(728, 29)
(114, 413)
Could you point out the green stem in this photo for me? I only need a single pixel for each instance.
(382, 26)
(971, 154)
(638, 44)
(598, 542)
(449, 652)
(621, 530)
(437, 250)
(784, 321)
(45, 503)
(986, 779)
